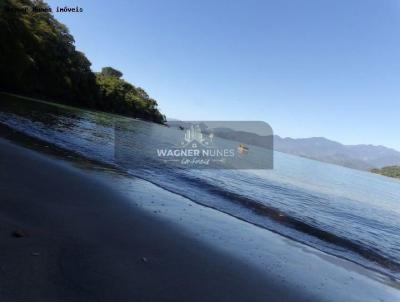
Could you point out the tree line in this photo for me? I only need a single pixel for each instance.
(38, 58)
(391, 171)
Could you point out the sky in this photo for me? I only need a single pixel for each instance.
(308, 68)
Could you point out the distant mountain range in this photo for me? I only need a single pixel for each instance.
(363, 157)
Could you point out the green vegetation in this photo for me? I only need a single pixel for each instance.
(119, 96)
(38, 58)
(392, 171)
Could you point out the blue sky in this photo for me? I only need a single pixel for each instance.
(307, 67)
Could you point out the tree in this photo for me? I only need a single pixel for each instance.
(111, 72)
(38, 58)
(121, 97)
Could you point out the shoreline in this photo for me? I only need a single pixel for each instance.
(87, 164)
(162, 244)
(83, 242)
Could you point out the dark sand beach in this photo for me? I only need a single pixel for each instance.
(67, 235)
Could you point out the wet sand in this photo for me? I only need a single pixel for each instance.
(67, 235)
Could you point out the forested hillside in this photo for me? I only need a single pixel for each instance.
(38, 58)
(392, 171)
